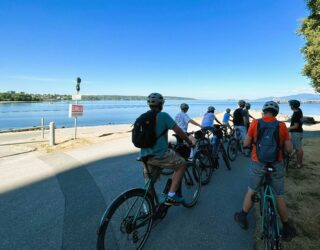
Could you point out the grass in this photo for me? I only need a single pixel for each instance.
(303, 200)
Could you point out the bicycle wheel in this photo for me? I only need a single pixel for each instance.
(225, 157)
(232, 149)
(271, 234)
(166, 171)
(127, 222)
(203, 161)
(190, 186)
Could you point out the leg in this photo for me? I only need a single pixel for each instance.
(247, 203)
(282, 209)
(176, 178)
(299, 156)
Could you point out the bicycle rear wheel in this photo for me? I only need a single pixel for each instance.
(225, 157)
(271, 234)
(190, 185)
(127, 222)
(203, 161)
(232, 149)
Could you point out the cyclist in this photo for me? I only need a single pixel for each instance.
(182, 119)
(296, 130)
(240, 119)
(247, 114)
(160, 155)
(226, 117)
(270, 111)
(208, 118)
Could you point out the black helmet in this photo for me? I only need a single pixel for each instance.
(211, 109)
(271, 105)
(184, 106)
(248, 105)
(294, 103)
(241, 103)
(155, 99)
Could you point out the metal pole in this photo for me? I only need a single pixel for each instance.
(52, 139)
(42, 127)
(75, 125)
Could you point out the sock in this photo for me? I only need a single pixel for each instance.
(170, 194)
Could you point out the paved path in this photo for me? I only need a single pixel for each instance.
(55, 201)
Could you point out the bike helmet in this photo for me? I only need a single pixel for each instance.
(155, 99)
(272, 106)
(228, 110)
(248, 105)
(184, 106)
(241, 103)
(294, 103)
(211, 109)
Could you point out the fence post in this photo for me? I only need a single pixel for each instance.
(42, 127)
(52, 139)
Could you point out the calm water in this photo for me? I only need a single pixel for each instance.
(21, 115)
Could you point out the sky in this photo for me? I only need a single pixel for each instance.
(207, 49)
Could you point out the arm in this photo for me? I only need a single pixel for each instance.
(182, 134)
(244, 120)
(194, 123)
(288, 146)
(251, 117)
(218, 121)
(295, 126)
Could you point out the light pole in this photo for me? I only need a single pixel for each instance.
(75, 119)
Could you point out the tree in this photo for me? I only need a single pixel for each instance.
(310, 29)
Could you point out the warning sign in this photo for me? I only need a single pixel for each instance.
(75, 110)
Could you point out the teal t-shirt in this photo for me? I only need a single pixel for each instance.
(164, 122)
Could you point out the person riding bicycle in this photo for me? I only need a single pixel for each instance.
(256, 174)
(209, 118)
(182, 119)
(240, 119)
(296, 130)
(226, 117)
(160, 155)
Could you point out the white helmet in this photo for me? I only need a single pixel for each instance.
(155, 99)
(271, 105)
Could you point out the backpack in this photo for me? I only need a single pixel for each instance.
(144, 130)
(268, 140)
(238, 117)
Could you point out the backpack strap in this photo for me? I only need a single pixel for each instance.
(163, 132)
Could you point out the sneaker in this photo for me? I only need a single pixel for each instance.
(288, 232)
(175, 200)
(241, 220)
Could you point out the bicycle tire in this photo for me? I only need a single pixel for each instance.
(110, 233)
(203, 161)
(190, 186)
(225, 157)
(232, 149)
(271, 235)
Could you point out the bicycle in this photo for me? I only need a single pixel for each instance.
(227, 131)
(287, 158)
(269, 223)
(206, 156)
(128, 220)
(235, 145)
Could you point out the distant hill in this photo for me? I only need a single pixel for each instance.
(305, 97)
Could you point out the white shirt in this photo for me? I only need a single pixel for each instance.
(207, 120)
(182, 119)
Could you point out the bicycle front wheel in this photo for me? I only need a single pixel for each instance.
(203, 161)
(127, 222)
(232, 149)
(190, 185)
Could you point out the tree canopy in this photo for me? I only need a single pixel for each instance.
(310, 29)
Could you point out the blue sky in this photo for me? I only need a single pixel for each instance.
(213, 49)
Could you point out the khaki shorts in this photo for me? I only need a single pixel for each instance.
(169, 160)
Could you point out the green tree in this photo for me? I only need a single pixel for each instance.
(310, 29)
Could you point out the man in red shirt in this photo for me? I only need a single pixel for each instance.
(270, 111)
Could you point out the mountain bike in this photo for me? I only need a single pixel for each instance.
(287, 158)
(228, 132)
(269, 223)
(129, 219)
(235, 145)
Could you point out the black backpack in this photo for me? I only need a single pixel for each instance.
(268, 141)
(238, 117)
(144, 130)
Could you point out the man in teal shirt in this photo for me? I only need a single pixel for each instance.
(160, 155)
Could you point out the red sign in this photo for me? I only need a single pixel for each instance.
(75, 110)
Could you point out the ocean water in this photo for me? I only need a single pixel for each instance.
(23, 115)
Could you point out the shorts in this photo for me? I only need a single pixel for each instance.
(256, 175)
(243, 132)
(296, 139)
(170, 159)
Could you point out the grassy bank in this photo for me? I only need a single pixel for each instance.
(303, 200)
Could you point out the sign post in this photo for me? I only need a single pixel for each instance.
(76, 110)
